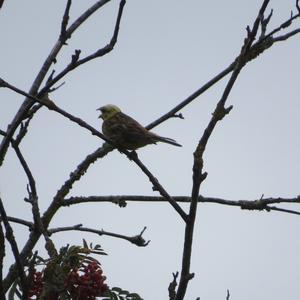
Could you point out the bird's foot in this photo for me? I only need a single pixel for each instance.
(132, 155)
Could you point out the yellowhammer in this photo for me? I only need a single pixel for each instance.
(126, 132)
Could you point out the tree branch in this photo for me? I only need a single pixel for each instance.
(260, 44)
(64, 23)
(76, 62)
(11, 239)
(32, 192)
(28, 224)
(2, 255)
(121, 200)
(137, 240)
(198, 175)
(25, 107)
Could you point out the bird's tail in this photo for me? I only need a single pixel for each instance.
(168, 141)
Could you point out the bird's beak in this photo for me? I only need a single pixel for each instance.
(100, 116)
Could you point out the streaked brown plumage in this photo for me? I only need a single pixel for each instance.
(126, 132)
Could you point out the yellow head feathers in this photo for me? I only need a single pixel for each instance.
(108, 111)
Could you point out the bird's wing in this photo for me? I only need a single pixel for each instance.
(131, 130)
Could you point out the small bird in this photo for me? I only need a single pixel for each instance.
(126, 132)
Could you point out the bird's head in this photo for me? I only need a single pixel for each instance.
(108, 111)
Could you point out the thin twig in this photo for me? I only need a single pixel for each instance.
(286, 36)
(289, 211)
(32, 192)
(64, 23)
(285, 24)
(137, 240)
(76, 62)
(172, 286)
(28, 224)
(192, 97)
(227, 295)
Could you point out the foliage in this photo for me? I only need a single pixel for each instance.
(70, 274)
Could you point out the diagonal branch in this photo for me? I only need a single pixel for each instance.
(158, 187)
(192, 97)
(289, 211)
(32, 192)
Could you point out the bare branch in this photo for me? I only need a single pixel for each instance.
(172, 286)
(198, 175)
(26, 169)
(11, 239)
(286, 23)
(192, 97)
(264, 23)
(33, 197)
(25, 107)
(75, 62)
(64, 23)
(52, 106)
(289, 211)
(28, 224)
(257, 204)
(158, 187)
(261, 45)
(137, 240)
(287, 35)
(2, 255)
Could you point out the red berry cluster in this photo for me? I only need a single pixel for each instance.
(36, 285)
(86, 282)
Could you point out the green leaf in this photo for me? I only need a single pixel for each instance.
(124, 293)
(85, 245)
(114, 297)
(116, 289)
(134, 296)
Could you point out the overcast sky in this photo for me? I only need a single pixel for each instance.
(166, 50)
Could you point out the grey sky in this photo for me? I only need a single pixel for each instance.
(166, 50)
